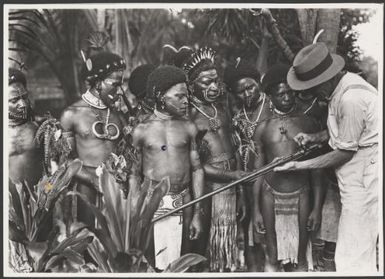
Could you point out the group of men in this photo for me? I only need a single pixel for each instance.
(199, 135)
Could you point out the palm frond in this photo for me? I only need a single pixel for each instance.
(17, 49)
(28, 32)
(23, 18)
(98, 40)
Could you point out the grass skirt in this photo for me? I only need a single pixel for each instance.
(223, 250)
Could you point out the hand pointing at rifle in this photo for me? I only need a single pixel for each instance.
(303, 139)
(305, 142)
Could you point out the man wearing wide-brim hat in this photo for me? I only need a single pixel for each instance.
(352, 132)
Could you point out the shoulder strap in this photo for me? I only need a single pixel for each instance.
(360, 86)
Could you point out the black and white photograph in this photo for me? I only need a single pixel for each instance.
(207, 140)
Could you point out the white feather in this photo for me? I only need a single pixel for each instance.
(317, 36)
(83, 56)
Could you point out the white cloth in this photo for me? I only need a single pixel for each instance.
(168, 231)
(353, 125)
(168, 237)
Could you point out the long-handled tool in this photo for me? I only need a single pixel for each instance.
(248, 178)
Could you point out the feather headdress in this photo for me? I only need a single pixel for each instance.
(102, 63)
(198, 57)
(98, 40)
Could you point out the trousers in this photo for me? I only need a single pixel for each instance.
(358, 226)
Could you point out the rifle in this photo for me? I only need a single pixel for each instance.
(248, 178)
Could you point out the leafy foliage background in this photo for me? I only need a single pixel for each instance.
(48, 42)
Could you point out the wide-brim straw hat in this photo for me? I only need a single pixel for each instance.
(313, 65)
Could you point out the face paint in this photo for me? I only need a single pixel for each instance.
(247, 90)
(109, 87)
(18, 102)
(206, 86)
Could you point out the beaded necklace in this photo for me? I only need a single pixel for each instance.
(214, 122)
(251, 125)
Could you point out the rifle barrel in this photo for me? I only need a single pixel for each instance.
(250, 177)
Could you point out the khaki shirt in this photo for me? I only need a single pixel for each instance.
(353, 114)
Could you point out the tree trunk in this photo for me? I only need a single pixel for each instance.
(329, 21)
(101, 19)
(311, 21)
(263, 54)
(273, 28)
(307, 19)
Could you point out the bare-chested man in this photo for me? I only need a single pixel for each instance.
(282, 200)
(166, 147)
(252, 107)
(210, 114)
(25, 157)
(92, 125)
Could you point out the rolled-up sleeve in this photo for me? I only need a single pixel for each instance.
(351, 120)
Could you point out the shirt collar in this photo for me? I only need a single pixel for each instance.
(338, 87)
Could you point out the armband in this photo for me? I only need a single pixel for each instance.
(68, 134)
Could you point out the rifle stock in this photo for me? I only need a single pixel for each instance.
(248, 178)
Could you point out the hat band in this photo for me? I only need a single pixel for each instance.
(317, 70)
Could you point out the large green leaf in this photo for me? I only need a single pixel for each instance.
(38, 252)
(100, 256)
(43, 258)
(15, 207)
(73, 240)
(184, 262)
(149, 200)
(103, 232)
(25, 207)
(115, 207)
(15, 234)
(73, 256)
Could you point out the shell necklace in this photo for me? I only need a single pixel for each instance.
(101, 129)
